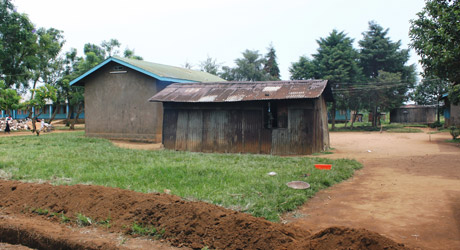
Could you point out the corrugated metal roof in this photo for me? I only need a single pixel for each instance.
(242, 91)
(172, 71)
(159, 71)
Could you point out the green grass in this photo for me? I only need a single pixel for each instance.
(236, 181)
(139, 229)
(404, 130)
(83, 221)
(389, 127)
(454, 140)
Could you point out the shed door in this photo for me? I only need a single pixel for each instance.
(301, 129)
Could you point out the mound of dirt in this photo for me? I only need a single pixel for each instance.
(189, 224)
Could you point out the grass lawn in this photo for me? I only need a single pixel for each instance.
(236, 181)
(389, 127)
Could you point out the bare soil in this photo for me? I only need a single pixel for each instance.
(408, 191)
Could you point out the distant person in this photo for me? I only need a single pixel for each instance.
(7, 129)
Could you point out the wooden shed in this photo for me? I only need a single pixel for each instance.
(117, 93)
(280, 117)
(413, 114)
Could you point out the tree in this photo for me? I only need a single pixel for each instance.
(430, 91)
(131, 54)
(210, 66)
(48, 64)
(17, 46)
(337, 61)
(250, 67)
(9, 98)
(271, 65)
(379, 55)
(435, 36)
(304, 69)
(111, 47)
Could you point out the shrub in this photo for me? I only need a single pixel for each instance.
(454, 132)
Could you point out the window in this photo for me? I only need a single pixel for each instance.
(275, 115)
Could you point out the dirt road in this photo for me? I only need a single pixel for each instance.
(408, 190)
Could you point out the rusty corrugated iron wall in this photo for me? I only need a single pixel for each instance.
(242, 128)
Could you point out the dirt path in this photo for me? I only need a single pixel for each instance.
(408, 190)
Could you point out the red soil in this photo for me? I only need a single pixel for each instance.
(186, 224)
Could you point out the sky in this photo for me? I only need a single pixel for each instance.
(174, 32)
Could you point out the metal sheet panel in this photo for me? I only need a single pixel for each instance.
(241, 91)
(169, 128)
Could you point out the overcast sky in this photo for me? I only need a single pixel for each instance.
(177, 31)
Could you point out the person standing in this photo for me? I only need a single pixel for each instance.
(7, 129)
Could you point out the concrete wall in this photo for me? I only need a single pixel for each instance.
(117, 106)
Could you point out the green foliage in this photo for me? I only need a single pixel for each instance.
(384, 67)
(253, 67)
(140, 229)
(429, 91)
(435, 35)
(454, 94)
(454, 132)
(83, 221)
(271, 65)
(128, 53)
(250, 67)
(236, 181)
(9, 98)
(379, 53)
(18, 46)
(336, 61)
(64, 219)
(111, 46)
(40, 211)
(210, 66)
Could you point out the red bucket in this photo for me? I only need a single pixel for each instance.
(323, 166)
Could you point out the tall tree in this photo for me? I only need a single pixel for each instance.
(210, 66)
(48, 64)
(271, 65)
(379, 54)
(250, 67)
(128, 53)
(337, 61)
(18, 46)
(111, 47)
(435, 36)
(429, 92)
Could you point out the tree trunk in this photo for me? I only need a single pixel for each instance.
(439, 111)
(67, 119)
(54, 114)
(346, 118)
(79, 111)
(333, 116)
(374, 117)
(353, 118)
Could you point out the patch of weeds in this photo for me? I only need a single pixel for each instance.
(404, 130)
(83, 221)
(105, 223)
(40, 211)
(454, 141)
(64, 219)
(139, 229)
(323, 153)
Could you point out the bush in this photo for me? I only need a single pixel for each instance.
(454, 132)
(436, 124)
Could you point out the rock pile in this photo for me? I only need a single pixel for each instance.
(24, 124)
